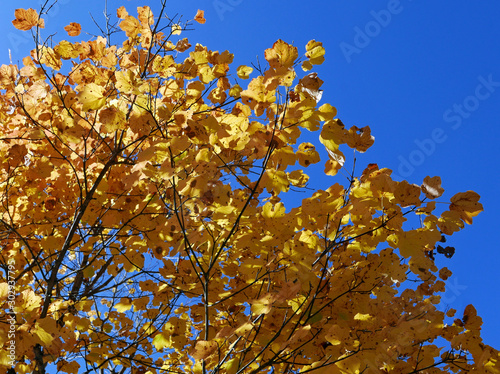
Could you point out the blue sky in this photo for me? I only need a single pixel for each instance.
(425, 76)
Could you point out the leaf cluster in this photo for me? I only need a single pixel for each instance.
(143, 229)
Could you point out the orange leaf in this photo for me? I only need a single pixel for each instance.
(26, 19)
(73, 29)
(200, 17)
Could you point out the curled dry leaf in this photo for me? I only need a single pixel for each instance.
(200, 17)
(432, 187)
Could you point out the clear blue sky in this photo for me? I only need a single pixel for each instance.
(425, 76)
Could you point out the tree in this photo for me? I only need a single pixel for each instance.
(143, 228)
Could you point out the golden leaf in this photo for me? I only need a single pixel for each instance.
(244, 71)
(203, 349)
(307, 154)
(161, 341)
(92, 97)
(131, 26)
(26, 19)
(315, 52)
(360, 139)
(124, 305)
(407, 194)
(262, 305)
(467, 205)
(112, 118)
(68, 50)
(281, 54)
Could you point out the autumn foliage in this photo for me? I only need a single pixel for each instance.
(142, 226)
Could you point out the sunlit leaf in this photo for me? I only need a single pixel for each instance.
(26, 19)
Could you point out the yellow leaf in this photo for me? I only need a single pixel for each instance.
(332, 167)
(363, 317)
(176, 29)
(4, 290)
(335, 335)
(225, 209)
(131, 26)
(124, 305)
(92, 97)
(67, 50)
(315, 52)
(243, 329)
(327, 112)
(232, 366)
(281, 54)
(126, 82)
(306, 65)
(43, 329)
(310, 85)
(50, 58)
(269, 210)
(307, 154)
(257, 93)
(161, 341)
(332, 134)
(235, 91)
(244, 71)
(27, 19)
(450, 222)
(112, 118)
(262, 305)
(297, 178)
(30, 302)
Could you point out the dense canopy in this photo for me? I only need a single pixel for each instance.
(143, 224)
